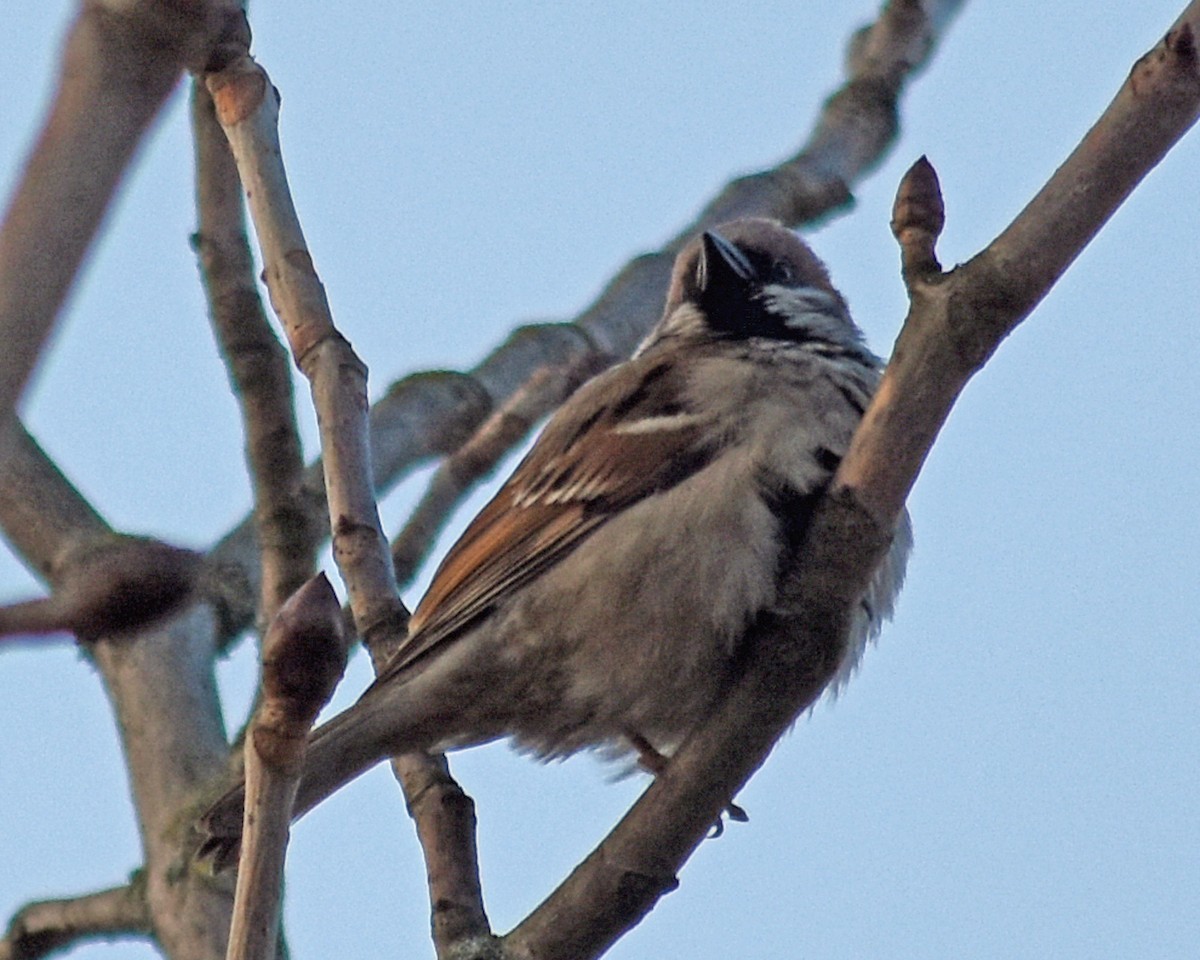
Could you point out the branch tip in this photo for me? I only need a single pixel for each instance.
(238, 90)
(303, 657)
(918, 216)
(304, 652)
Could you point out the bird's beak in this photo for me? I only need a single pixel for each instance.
(722, 264)
(725, 279)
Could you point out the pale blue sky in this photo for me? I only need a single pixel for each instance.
(1014, 771)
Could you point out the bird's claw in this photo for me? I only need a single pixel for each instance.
(733, 812)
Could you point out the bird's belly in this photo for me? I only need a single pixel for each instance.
(635, 632)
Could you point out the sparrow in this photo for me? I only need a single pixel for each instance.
(603, 598)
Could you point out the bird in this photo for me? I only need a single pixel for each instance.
(604, 597)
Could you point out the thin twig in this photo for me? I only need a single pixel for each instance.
(247, 107)
(445, 820)
(257, 365)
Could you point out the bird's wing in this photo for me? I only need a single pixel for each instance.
(623, 437)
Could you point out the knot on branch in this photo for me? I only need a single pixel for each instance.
(635, 889)
(109, 587)
(238, 90)
(1175, 57)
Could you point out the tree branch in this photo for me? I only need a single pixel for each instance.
(106, 586)
(955, 322)
(287, 534)
(957, 319)
(247, 107)
(43, 516)
(857, 124)
(120, 62)
(303, 658)
(42, 928)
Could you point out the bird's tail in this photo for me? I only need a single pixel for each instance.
(338, 751)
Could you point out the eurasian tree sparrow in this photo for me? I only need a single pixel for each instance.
(601, 599)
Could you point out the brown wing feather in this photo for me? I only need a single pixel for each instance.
(584, 468)
(507, 547)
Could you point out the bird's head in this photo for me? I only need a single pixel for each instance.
(753, 279)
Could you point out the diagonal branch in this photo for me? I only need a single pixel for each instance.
(854, 130)
(120, 62)
(957, 319)
(955, 322)
(247, 108)
(256, 362)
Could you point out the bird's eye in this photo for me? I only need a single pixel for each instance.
(781, 272)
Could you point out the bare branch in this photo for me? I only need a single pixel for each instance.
(857, 125)
(445, 820)
(256, 362)
(247, 107)
(41, 928)
(120, 62)
(955, 322)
